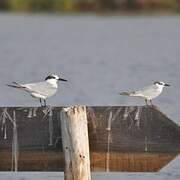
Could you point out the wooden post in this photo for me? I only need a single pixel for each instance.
(108, 141)
(75, 143)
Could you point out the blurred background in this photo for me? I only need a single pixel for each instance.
(91, 5)
(101, 46)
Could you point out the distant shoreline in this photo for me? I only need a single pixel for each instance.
(93, 13)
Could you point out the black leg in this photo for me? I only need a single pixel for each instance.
(44, 102)
(146, 102)
(40, 102)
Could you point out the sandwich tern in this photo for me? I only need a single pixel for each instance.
(40, 90)
(149, 92)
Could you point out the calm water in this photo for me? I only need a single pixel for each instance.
(100, 56)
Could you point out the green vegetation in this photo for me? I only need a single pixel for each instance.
(90, 5)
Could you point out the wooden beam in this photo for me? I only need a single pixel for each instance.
(75, 143)
(132, 138)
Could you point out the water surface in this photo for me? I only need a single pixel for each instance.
(100, 56)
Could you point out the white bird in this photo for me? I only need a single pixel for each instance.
(40, 90)
(149, 92)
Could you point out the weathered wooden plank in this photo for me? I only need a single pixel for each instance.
(130, 162)
(54, 161)
(135, 133)
(134, 129)
(33, 160)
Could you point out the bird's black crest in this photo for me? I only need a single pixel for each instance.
(157, 82)
(50, 77)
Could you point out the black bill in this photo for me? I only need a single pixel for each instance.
(60, 79)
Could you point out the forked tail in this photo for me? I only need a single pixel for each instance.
(127, 93)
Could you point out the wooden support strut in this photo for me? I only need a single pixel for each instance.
(75, 143)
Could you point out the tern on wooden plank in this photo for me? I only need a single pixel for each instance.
(40, 90)
(149, 92)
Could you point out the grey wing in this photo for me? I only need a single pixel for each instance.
(146, 91)
(42, 88)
